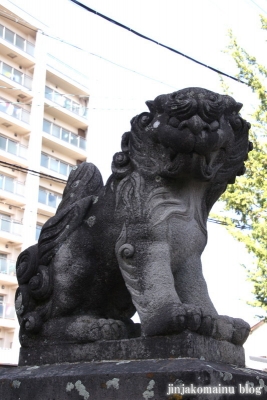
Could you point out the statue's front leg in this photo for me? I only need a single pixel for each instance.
(146, 269)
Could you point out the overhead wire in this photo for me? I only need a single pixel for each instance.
(42, 175)
(31, 172)
(254, 2)
(155, 41)
(143, 37)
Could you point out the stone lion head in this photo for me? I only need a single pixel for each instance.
(193, 132)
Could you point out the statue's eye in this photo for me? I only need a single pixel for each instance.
(145, 119)
(236, 123)
(180, 97)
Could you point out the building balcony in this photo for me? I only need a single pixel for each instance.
(7, 267)
(61, 168)
(12, 190)
(64, 141)
(64, 76)
(7, 311)
(14, 116)
(63, 108)
(11, 77)
(7, 315)
(12, 149)
(47, 201)
(16, 47)
(10, 226)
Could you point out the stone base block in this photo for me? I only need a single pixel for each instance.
(186, 344)
(170, 379)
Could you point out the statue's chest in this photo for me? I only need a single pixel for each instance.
(178, 218)
(163, 205)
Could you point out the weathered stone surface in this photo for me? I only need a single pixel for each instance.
(186, 344)
(132, 380)
(136, 243)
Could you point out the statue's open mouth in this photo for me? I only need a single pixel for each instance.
(206, 165)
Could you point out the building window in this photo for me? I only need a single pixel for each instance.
(64, 134)
(5, 222)
(1, 306)
(65, 102)
(51, 199)
(55, 165)
(38, 231)
(11, 185)
(12, 147)
(9, 36)
(3, 263)
(16, 40)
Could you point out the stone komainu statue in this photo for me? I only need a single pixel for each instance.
(136, 243)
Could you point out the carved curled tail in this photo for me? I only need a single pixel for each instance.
(33, 300)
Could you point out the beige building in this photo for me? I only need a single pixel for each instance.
(256, 347)
(43, 129)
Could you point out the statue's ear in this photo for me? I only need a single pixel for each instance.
(125, 142)
(151, 106)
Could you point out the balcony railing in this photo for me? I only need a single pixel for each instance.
(15, 75)
(7, 311)
(55, 165)
(17, 41)
(68, 71)
(48, 198)
(7, 267)
(11, 185)
(14, 110)
(64, 135)
(10, 226)
(12, 147)
(65, 102)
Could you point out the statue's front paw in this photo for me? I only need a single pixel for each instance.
(174, 318)
(108, 329)
(91, 329)
(193, 317)
(241, 331)
(234, 330)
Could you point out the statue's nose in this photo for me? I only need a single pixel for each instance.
(195, 124)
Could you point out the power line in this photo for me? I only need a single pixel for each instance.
(109, 61)
(31, 172)
(144, 37)
(254, 2)
(155, 41)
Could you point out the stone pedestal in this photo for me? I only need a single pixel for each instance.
(184, 378)
(186, 344)
(176, 367)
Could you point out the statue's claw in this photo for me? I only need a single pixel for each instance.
(175, 319)
(233, 330)
(107, 329)
(207, 325)
(241, 331)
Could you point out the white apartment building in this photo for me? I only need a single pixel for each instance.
(43, 129)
